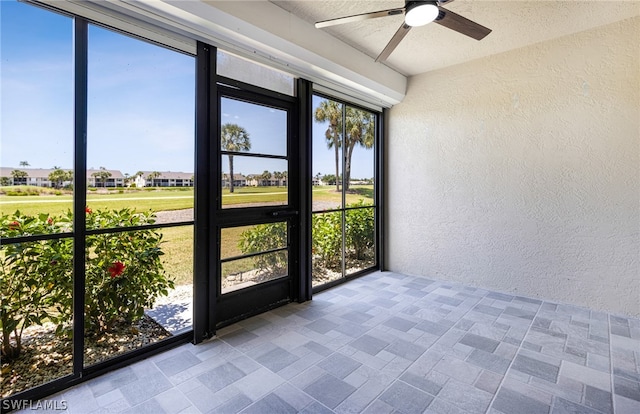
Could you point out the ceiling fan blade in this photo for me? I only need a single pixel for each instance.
(359, 17)
(393, 43)
(461, 24)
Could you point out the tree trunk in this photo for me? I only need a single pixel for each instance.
(231, 173)
(335, 145)
(347, 168)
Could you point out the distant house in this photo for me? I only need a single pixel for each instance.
(115, 180)
(164, 179)
(239, 180)
(38, 177)
(254, 180)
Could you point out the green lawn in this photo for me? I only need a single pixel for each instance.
(178, 241)
(166, 199)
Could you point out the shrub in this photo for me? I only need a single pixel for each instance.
(264, 237)
(327, 238)
(327, 235)
(35, 277)
(360, 230)
(123, 273)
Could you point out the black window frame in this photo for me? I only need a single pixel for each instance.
(205, 190)
(378, 203)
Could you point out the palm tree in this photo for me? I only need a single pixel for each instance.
(103, 175)
(265, 176)
(58, 176)
(360, 130)
(19, 176)
(331, 112)
(278, 176)
(152, 176)
(233, 138)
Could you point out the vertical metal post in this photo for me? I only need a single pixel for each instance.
(305, 103)
(203, 325)
(80, 57)
(344, 193)
(380, 181)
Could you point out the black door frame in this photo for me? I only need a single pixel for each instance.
(234, 306)
(209, 217)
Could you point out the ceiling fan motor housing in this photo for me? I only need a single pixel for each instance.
(419, 13)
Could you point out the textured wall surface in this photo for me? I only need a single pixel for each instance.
(521, 171)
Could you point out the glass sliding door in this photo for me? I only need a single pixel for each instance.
(344, 191)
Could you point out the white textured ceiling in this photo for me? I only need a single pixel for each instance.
(514, 23)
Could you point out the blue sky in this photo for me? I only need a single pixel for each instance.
(140, 104)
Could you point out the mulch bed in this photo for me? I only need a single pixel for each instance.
(46, 357)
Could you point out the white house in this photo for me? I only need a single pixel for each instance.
(163, 179)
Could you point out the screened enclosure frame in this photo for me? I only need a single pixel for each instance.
(204, 203)
(378, 197)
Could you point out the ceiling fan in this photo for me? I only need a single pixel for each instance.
(417, 13)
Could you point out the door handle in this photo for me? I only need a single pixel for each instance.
(284, 213)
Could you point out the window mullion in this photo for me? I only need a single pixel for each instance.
(80, 59)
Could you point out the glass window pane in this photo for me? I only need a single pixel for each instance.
(36, 131)
(326, 247)
(174, 312)
(125, 274)
(36, 287)
(235, 67)
(359, 239)
(243, 240)
(252, 240)
(258, 181)
(248, 127)
(360, 157)
(140, 142)
(250, 271)
(327, 154)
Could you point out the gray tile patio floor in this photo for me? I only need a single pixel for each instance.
(391, 343)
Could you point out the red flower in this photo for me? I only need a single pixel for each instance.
(50, 221)
(116, 269)
(87, 210)
(14, 225)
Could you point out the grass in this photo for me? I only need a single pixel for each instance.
(178, 241)
(356, 193)
(177, 247)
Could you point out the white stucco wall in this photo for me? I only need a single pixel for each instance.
(520, 172)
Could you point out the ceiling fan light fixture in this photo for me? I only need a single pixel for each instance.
(421, 13)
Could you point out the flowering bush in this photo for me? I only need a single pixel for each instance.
(34, 276)
(123, 273)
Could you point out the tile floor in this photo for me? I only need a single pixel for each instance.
(391, 343)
